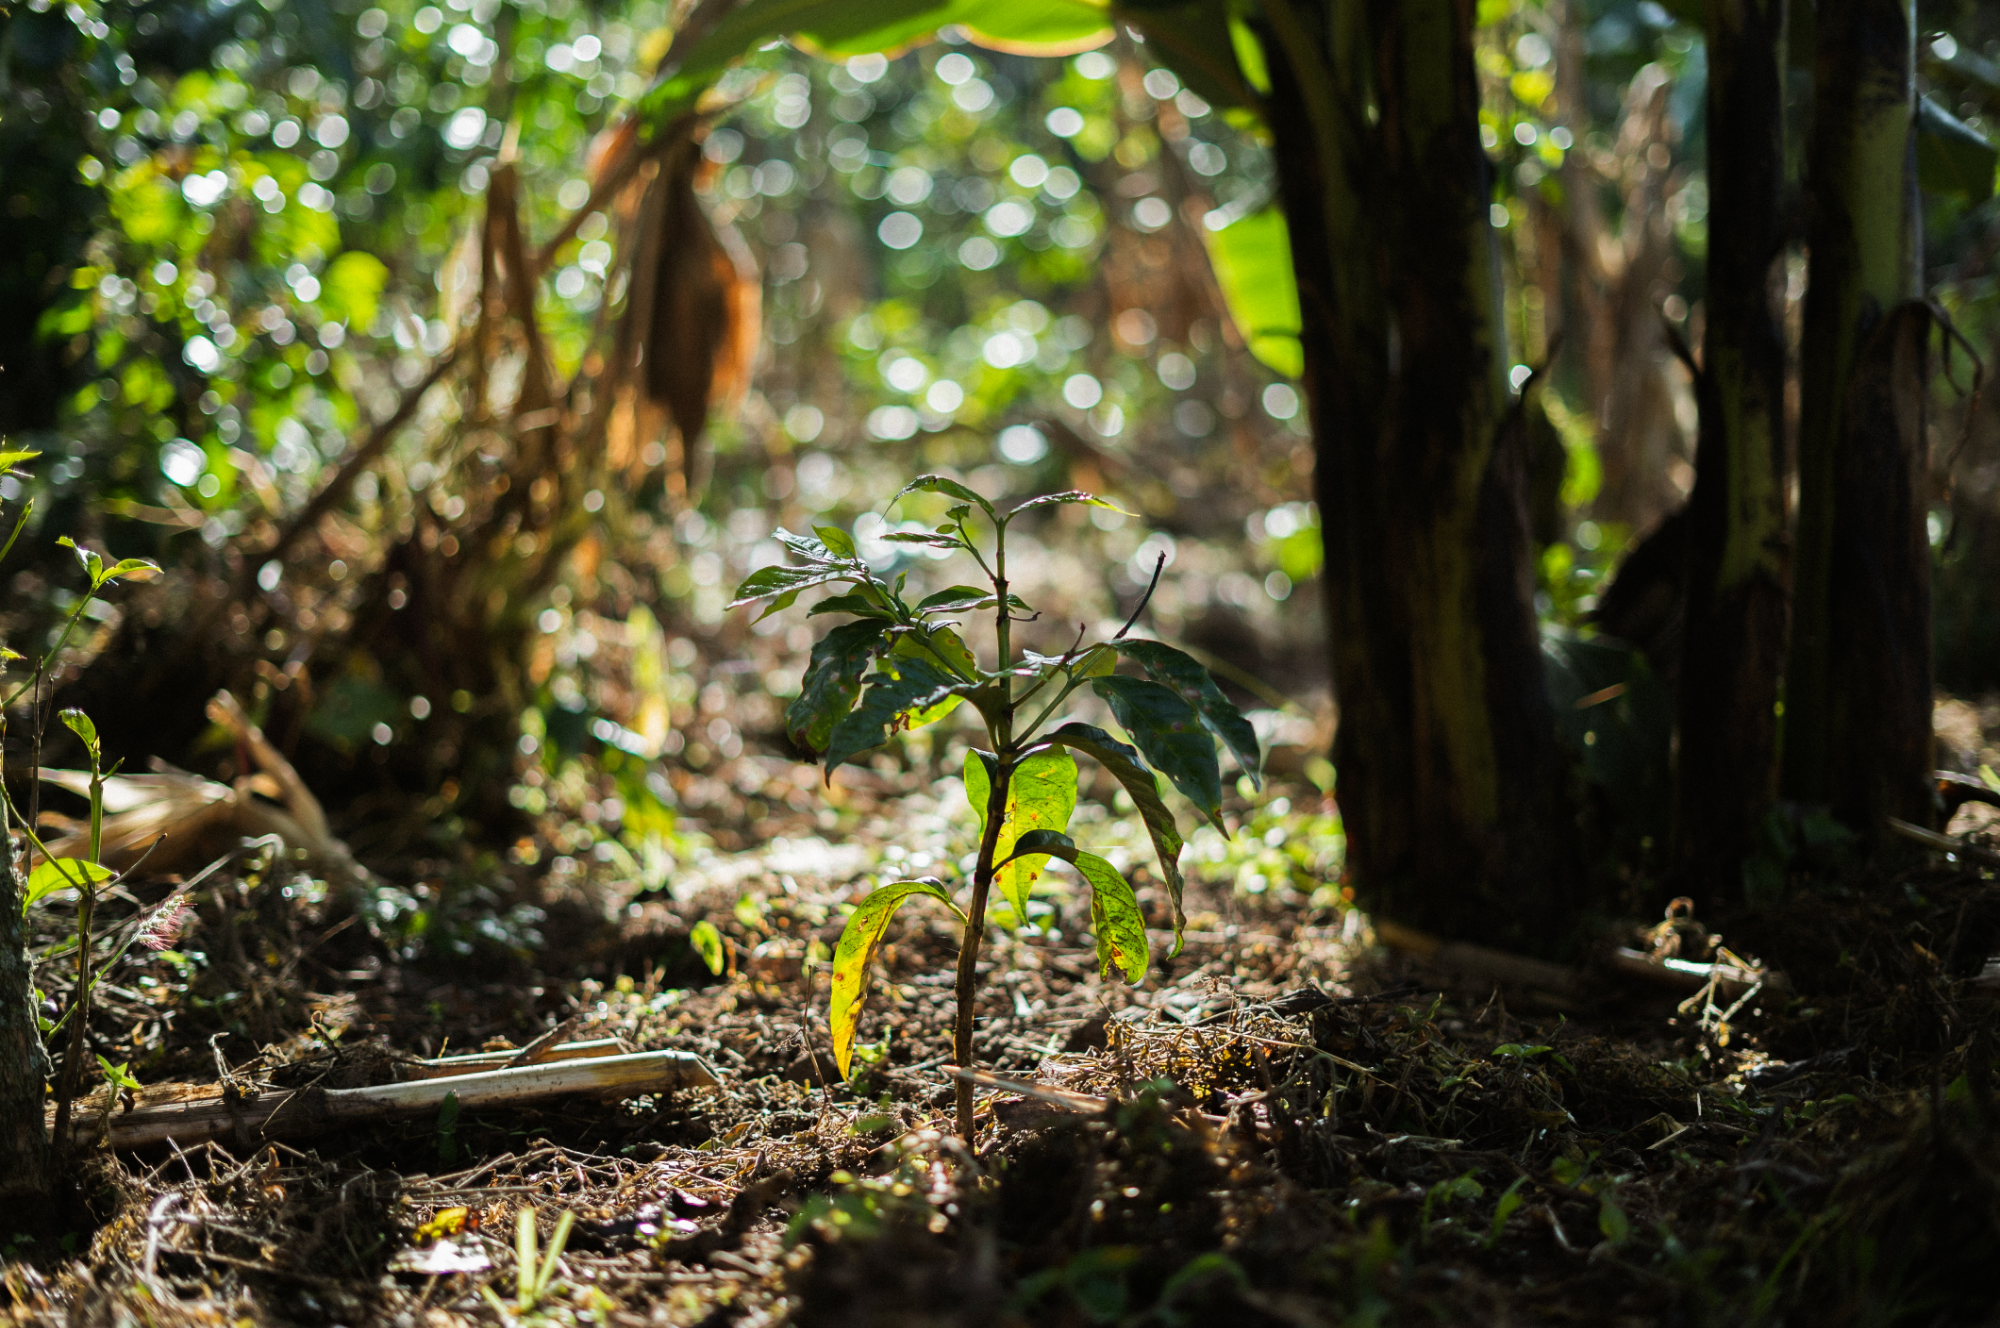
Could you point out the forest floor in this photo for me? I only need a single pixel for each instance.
(1283, 1125)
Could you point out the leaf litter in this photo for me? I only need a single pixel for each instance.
(1282, 1125)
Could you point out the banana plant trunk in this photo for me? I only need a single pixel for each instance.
(1857, 729)
(24, 1145)
(1726, 775)
(1449, 779)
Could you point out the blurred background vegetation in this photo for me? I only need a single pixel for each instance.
(237, 241)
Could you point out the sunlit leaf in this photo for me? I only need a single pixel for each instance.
(832, 681)
(922, 537)
(707, 942)
(956, 599)
(1115, 917)
(1249, 55)
(885, 706)
(852, 602)
(55, 874)
(779, 580)
(939, 484)
(11, 459)
(1170, 733)
(1144, 790)
(1068, 496)
(836, 540)
(351, 287)
(118, 1076)
(1041, 795)
(1176, 670)
(1252, 258)
(1034, 27)
(857, 947)
(132, 569)
(79, 723)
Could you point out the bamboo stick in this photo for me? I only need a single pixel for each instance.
(500, 1060)
(189, 1115)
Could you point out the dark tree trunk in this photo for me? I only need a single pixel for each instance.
(24, 1067)
(1861, 599)
(1449, 777)
(1879, 611)
(1733, 652)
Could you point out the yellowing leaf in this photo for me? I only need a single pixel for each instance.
(448, 1222)
(1040, 796)
(857, 947)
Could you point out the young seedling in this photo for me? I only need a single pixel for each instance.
(898, 666)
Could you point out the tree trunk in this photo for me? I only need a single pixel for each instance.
(1449, 776)
(1860, 599)
(1726, 776)
(24, 1066)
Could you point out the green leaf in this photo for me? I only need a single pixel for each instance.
(1250, 55)
(1114, 910)
(1034, 27)
(93, 565)
(707, 942)
(956, 599)
(923, 537)
(1041, 795)
(939, 484)
(1252, 258)
(1176, 670)
(1138, 782)
(810, 549)
(1509, 1201)
(854, 601)
(1195, 41)
(1612, 1222)
(886, 705)
(778, 605)
(140, 568)
(779, 579)
(832, 681)
(351, 288)
(836, 540)
(1952, 156)
(1068, 496)
(79, 723)
(15, 457)
(118, 1076)
(1170, 733)
(55, 874)
(937, 645)
(857, 947)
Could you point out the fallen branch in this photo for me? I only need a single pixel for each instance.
(187, 1115)
(1536, 975)
(1964, 849)
(1562, 983)
(1055, 1097)
(446, 1066)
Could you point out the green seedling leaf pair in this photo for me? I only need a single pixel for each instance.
(897, 666)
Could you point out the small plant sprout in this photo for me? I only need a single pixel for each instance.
(897, 666)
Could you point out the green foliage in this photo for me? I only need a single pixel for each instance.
(1252, 257)
(708, 943)
(1027, 777)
